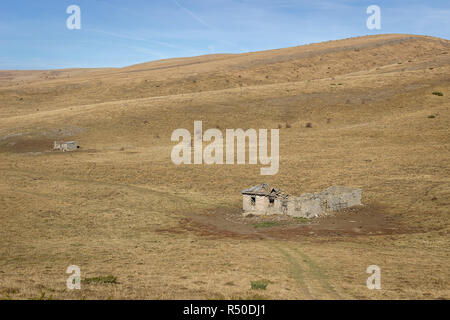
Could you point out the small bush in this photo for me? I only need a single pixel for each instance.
(288, 125)
(259, 284)
(309, 125)
(431, 116)
(280, 126)
(100, 280)
(42, 296)
(438, 93)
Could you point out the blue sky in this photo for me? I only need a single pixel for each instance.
(116, 33)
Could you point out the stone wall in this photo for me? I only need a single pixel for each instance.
(337, 198)
(308, 205)
(262, 205)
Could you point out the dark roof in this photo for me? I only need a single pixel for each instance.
(264, 190)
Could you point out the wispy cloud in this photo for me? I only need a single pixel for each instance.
(193, 15)
(119, 33)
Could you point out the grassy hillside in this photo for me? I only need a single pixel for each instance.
(120, 207)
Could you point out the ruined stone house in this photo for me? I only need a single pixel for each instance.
(264, 200)
(65, 146)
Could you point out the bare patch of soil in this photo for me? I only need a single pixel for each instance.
(26, 144)
(227, 222)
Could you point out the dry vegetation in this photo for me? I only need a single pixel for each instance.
(353, 112)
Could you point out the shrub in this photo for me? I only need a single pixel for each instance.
(100, 280)
(438, 93)
(44, 297)
(309, 125)
(259, 284)
(431, 116)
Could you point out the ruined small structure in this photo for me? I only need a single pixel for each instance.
(264, 200)
(65, 145)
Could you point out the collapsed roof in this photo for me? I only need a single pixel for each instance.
(265, 190)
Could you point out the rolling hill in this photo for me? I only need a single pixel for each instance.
(361, 112)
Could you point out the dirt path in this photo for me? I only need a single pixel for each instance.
(310, 277)
(297, 271)
(318, 273)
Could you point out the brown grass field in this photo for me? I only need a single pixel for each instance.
(120, 207)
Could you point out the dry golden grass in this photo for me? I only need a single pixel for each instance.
(120, 207)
